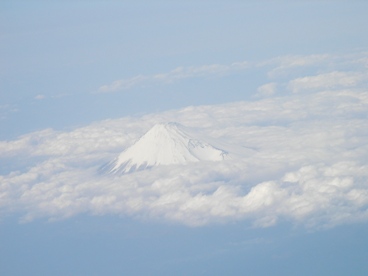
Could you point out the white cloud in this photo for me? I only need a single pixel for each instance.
(285, 64)
(299, 158)
(267, 89)
(331, 65)
(174, 75)
(329, 70)
(327, 81)
(124, 84)
(40, 97)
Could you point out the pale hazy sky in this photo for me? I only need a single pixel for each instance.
(56, 55)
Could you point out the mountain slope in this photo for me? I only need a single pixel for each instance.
(165, 144)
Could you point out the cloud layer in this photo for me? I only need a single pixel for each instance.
(176, 74)
(294, 72)
(299, 157)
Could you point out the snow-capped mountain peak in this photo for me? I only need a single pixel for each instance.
(165, 144)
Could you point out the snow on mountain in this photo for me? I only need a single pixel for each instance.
(165, 144)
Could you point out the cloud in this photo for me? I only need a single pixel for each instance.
(296, 72)
(283, 65)
(267, 89)
(7, 109)
(40, 97)
(298, 66)
(300, 158)
(327, 81)
(174, 75)
(124, 84)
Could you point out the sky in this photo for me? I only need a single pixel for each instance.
(280, 85)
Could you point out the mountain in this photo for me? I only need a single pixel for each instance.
(165, 144)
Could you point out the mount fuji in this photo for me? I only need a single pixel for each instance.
(164, 144)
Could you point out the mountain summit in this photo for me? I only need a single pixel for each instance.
(164, 144)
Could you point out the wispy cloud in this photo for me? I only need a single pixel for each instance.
(174, 75)
(330, 70)
(267, 89)
(39, 97)
(7, 109)
(327, 81)
(284, 64)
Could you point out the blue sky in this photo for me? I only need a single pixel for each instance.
(281, 83)
(66, 51)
